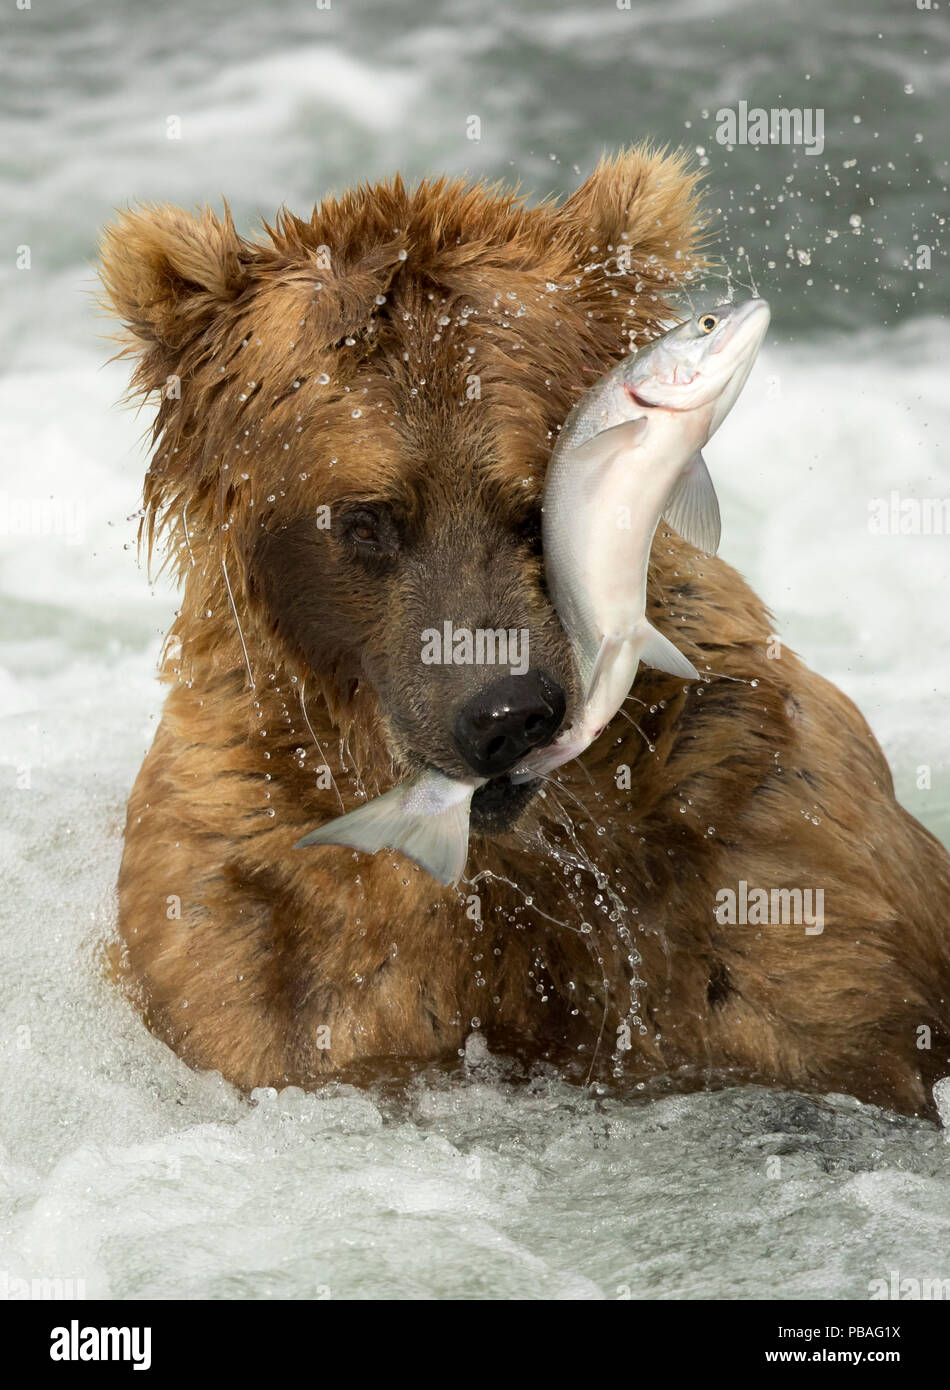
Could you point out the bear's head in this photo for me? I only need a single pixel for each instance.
(355, 415)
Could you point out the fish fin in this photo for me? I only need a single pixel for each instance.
(692, 508)
(607, 444)
(658, 651)
(437, 842)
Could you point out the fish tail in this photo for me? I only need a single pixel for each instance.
(437, 842)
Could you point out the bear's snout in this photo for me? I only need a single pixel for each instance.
(502, 723)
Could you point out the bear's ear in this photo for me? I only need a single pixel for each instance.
(642, 198)
(166, 275)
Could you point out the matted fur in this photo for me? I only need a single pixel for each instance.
(328, 363)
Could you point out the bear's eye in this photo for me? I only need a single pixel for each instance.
(371, 532)
(528, 529)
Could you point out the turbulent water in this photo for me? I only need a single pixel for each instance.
(118, 1166)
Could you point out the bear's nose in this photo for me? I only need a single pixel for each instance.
(505, 720)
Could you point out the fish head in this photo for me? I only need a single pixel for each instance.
(702, 363)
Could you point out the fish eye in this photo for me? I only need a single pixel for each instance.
(707, 323)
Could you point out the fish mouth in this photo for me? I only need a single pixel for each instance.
(754, 312)
(498, 803)
(638, 399)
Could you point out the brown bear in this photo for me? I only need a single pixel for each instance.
(355, 414)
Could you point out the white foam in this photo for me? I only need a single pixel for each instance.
(819, 434)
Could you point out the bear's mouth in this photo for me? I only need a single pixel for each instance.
(499, 802)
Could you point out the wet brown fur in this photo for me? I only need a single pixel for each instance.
(766, 773)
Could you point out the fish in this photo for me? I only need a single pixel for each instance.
(629, 454)
(633, 442)
(425, 819)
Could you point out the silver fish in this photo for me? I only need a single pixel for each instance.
(629, 452)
